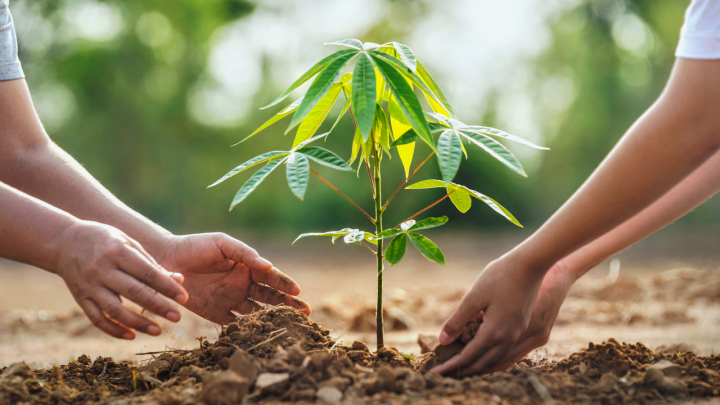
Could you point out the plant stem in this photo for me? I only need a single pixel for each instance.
(380, 255)
(406, 179)
(426, 208)
(369, 248)
(342, 194)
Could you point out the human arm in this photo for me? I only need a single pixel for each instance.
(33, 164)
(674, 137)
(702, 184)
(98, 263)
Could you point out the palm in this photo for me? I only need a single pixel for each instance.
(224, 275)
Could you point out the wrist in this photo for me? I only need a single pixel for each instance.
(58, 245)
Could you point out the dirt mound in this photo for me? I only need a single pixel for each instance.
(278, 355)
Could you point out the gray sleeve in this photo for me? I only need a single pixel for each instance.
(9, 63)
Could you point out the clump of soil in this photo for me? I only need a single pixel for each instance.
(278, 355)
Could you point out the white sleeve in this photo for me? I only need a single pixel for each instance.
(700, 35)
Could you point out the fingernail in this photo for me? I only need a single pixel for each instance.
(264, 261)
(444, 338)
(181, 298)
(177, 277)
(173, 316)
(129, 336)
(153, 330)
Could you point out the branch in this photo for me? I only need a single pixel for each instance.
(426, 208)
(341, 193)
(406, 179)
(369, 248)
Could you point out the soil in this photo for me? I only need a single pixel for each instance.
(278, 355)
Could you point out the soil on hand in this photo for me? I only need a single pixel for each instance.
(278, 355)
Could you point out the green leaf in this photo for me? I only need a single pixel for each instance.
(496, 150)
(406, 55)
(427, 248)
(364, 94)
(408, 137)
(427, 223)
(427, 184)
(492, 204)
(350, 43)
(303, 143)
(320, 86)
(325, 157)
(396, 250)
(501, 134)
(315, 118)
(400, 125)
(254, 181)
(298, 174)
(382, 133)
(389, 233)
(334, 234)
(312, 72)
(354, 237)
(425, 76)
(269, 156)
(346, 107)
(460, 198)
(449, 153)
(406, 98)
(402, 69)
(357, 144)
(277, 117)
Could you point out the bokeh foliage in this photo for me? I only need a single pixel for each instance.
(130, 125)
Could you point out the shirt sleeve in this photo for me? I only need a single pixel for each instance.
(700, 34)
(10, 67)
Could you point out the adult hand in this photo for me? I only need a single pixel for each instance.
(223, 274)
(100, 264)
(506, 292)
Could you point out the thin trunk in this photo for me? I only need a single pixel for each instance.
(380, 254)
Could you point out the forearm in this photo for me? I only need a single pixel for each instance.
(665, 145)
(50, 174)
(702, 184)
(30, 229)
(33, 164)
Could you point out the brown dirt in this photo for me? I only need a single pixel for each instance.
(278, 355)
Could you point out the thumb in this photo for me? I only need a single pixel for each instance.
(453, 328)
(239, 252)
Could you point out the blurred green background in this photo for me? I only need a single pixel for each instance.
(148, 95)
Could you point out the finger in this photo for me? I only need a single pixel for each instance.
(277, 280)
(132, 262)
(96, 316)
(469, 307)
(137, 246)
(267, 295)
(518, 352)
(487, 361)
(239, 252)
(489, 336)
(111, 305)
(137, 292)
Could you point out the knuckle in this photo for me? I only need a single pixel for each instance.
(114, 310)
(150, 275)
(96, 319)
(113, 247)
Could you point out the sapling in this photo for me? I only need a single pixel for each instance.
(380, 95)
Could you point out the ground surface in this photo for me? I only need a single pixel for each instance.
(655, 300)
